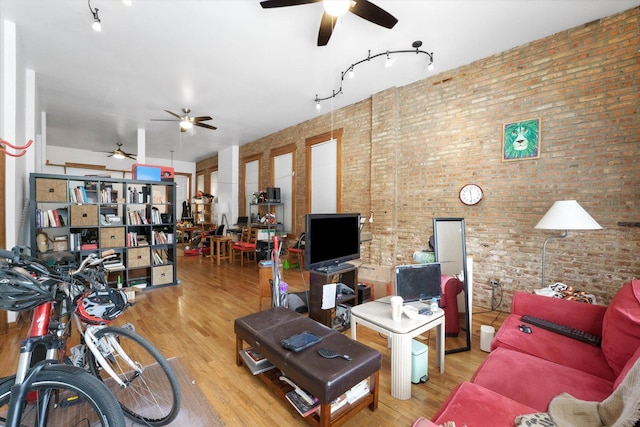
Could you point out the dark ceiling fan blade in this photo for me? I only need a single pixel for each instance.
(267, 4)
(201, 119)
(131, 156)
(327, 24)
(204, 125)
(174, 114)
(373, 13)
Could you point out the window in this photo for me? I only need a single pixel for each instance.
(282, 176)
(324, 172)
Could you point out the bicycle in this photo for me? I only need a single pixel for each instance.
(46, 394)
(135, 371)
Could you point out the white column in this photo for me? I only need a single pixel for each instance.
(141, 155)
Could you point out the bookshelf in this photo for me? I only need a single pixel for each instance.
(79, 215)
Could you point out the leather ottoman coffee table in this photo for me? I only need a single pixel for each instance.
(326, 379)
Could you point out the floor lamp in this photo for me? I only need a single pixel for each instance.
(224, 208)
(564, 215)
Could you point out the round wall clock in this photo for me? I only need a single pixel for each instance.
(471, 194)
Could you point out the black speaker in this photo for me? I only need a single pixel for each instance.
(273, 194)
(364, 293)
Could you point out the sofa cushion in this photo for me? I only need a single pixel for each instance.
(533, 381)
(472, 405)
(621, 326)
(552, 347)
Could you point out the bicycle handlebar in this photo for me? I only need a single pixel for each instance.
(93, 260)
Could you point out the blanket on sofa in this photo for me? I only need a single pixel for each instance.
(621, 409)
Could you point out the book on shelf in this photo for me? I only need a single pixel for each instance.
(303, 407)
(255, 366)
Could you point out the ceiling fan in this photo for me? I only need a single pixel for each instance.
(119, 153)
(187, 122)
(335, 8)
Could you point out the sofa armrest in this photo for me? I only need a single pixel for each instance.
(578, 315)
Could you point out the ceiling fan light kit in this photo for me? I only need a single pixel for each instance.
(187, 122)
(388, 63)
(336, 7)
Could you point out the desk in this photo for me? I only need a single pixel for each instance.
(376, 315)
(220, 248)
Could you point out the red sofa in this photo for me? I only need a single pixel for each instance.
(524, 371)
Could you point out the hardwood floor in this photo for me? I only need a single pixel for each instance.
(194, 321)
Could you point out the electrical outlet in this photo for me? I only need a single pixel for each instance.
(494, 283)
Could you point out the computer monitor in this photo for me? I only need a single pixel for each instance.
(242, 220)
(418, 282)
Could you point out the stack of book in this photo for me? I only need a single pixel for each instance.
(304, 405)
(255, 361)
(113, 264)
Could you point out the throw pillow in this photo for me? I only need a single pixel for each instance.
(620, 331)
(541, 419)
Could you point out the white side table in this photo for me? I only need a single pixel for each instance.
(376, 315)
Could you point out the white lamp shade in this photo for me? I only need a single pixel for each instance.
(224, 207)
(567, 215)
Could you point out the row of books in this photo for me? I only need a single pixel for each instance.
(135, 239)
(159, 257)
(51, 218)
(76, 243)
(108, 195)
(79, 195)
(161, 238)
(137, 217)
(156, 218)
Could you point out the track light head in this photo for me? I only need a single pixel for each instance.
(97, 24)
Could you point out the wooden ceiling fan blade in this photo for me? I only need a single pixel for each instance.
(131, 156)
(373, 13)
(327, 24)
(204, 125)
(174, 114)
(201, 119)
(267, 4)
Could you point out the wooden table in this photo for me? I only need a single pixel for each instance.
(220, 247)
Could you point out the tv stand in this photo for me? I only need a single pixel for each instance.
(341, 273)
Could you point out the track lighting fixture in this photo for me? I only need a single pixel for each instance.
(389, 62)
(97, 25)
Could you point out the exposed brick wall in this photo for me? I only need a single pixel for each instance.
(407, 152)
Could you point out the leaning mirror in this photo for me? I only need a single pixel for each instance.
(450, 251)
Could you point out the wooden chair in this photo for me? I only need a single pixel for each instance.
(246, 245)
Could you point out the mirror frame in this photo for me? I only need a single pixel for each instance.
(437, 247)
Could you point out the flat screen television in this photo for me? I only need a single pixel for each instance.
(331, 239)
(418, 282)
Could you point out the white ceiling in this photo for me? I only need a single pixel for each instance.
(254, 70)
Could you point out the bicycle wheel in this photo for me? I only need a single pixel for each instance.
(151, 394)
(66, 396)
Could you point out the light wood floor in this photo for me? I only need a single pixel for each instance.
(194, 321)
